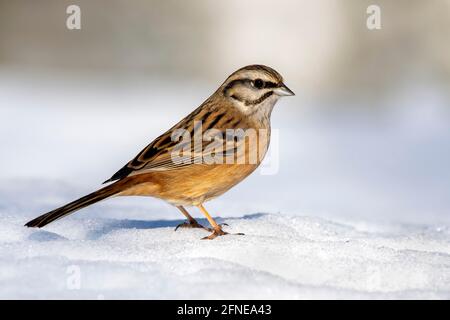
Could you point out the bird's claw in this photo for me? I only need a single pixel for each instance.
(190, 225)
(215, 233)
(219, 232)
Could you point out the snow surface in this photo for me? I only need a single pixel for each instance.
(280, 257)
(359, 207)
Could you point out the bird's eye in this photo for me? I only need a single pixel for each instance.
(258, 83)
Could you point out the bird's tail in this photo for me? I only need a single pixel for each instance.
(69, 208)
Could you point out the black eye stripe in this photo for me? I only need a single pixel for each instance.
(267, 84)
(233, 83)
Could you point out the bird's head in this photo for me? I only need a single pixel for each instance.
(254, 89)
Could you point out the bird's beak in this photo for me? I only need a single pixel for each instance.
(283, 90)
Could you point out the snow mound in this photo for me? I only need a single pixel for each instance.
(280, 257)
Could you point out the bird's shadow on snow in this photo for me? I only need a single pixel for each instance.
(114, 225)
(42, 236)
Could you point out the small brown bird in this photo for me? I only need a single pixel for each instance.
(223, 141)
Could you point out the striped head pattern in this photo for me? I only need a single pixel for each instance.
(255, 89)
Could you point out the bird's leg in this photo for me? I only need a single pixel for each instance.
(217, 230)
(191, 223)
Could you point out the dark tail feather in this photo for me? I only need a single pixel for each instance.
(69, 208)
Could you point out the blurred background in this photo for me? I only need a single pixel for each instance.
(367, 135)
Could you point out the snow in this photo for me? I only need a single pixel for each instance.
(358, 208)
(280, 257)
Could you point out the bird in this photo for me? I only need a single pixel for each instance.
(230, 133)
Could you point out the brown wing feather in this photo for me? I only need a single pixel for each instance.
(157, 155)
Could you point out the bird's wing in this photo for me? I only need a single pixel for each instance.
(171, 151)
(156, 154)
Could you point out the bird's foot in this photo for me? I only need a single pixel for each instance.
(192, 224)
(217, 232)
